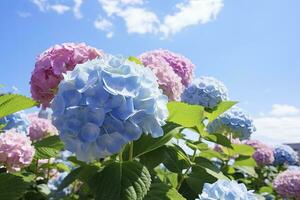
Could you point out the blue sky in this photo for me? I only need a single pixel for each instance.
(251, 45)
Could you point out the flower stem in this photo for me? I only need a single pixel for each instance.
(130, 151)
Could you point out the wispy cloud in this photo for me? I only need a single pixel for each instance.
(76, 8)
(23, 14)
(280, 125)
(104, 25)
(59, 8)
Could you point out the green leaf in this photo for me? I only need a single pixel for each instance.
(175, 159)
(196, 145)
(161, 191)
(218, 139)
(243, 149)
(205, 163)
(266, 189)
(219, 110)
(147, 143)
(12, 187)
(83, 173)
(212, 154)
(135, 60)
(49, 147)
(11, 103)
(184, 114)
(245, 161)
(127, 181)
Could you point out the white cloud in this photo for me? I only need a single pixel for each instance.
(104, 25)
(60, 8)
(139, 20)
(280, 126)
(192, 12)
(284, 110)
(76, 8)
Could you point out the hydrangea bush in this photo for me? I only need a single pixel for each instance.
(121, 135)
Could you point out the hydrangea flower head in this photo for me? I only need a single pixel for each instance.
(167, 79)
(284, 154)
(205, 91)
(233, 121)
(263, 154)
(105, 103)
(287, 184)
(40, 128)
(52, 63)
(16, 150)
(182, 66)
(227, 190)
(16, 121)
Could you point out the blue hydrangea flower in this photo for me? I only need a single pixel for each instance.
(54, 183)
(234, 121)
(284, 154)
(105, 103)
(205, 91)
(226, 190)
(17, 121)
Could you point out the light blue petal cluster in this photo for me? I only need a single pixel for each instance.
(105, 103)
(205, 91)
(226, 190)
(284, 154)
(55, 182)
(45, 113)
(233, 121)
(17, 121)
(293, 168)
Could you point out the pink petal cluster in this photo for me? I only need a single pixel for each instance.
(52, 63)
(174, 71)
(167, 79)
(287, 184)
(40, 128)
(263, 153)
(16, 150)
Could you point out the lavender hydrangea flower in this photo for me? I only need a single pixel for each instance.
(284, 154)
(227, 190)
(287, 184)
(205, 91)
(105, 103)
(263, 154)
(17, 121)
(234, 121)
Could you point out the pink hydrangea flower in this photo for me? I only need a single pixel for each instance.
(263, 153)
(287, 184)
(40, 128)
(167, 79)
(181, 65)
(16, 150)
(52, 63)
